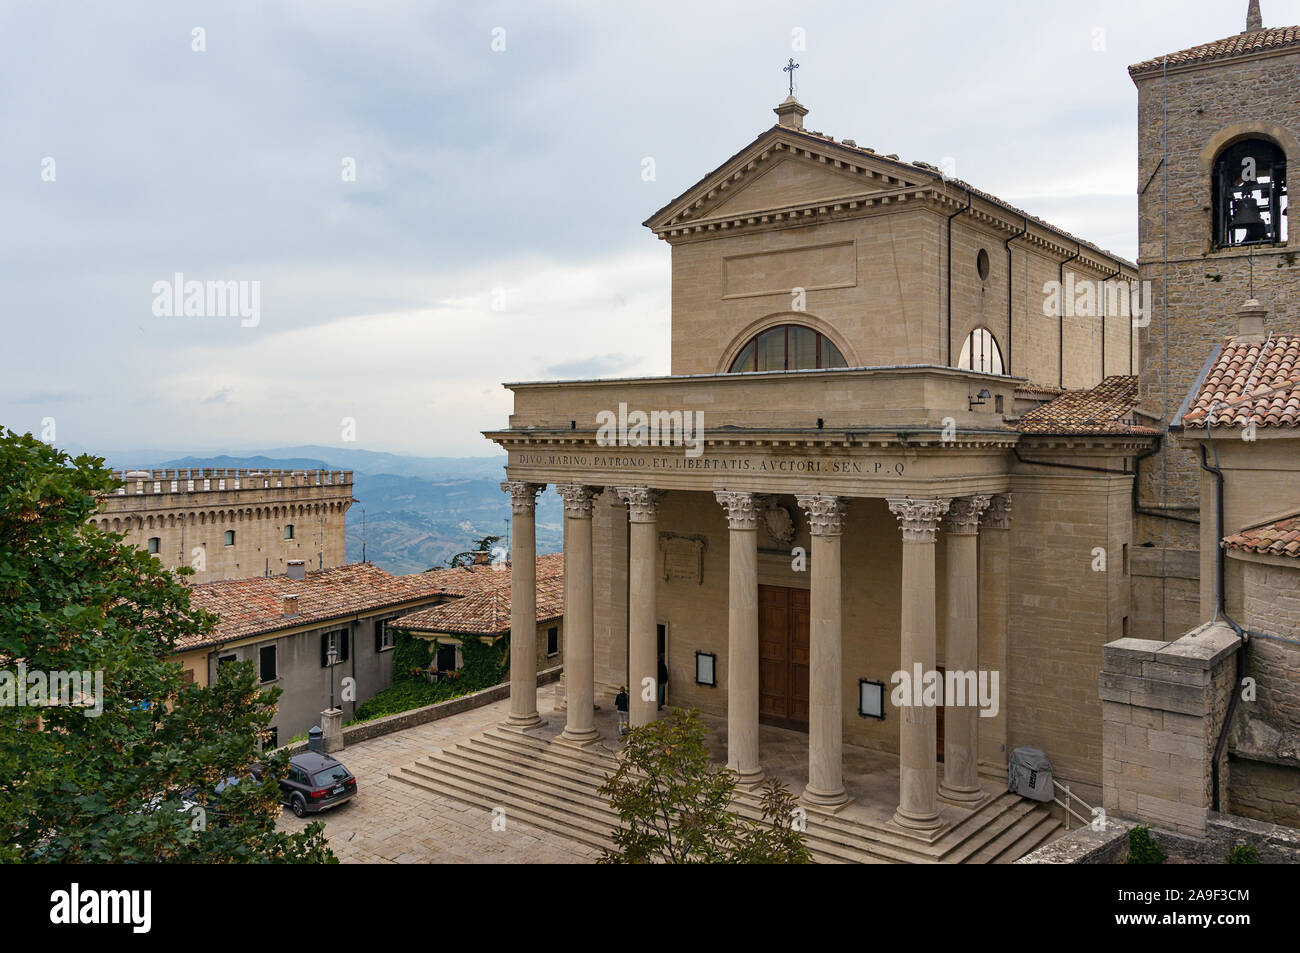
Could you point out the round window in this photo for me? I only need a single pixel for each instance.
(982, 264)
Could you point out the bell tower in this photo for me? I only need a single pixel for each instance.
(1217, 126)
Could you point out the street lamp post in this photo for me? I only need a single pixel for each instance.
(331, 655)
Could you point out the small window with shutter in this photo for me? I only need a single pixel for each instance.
(338, 640)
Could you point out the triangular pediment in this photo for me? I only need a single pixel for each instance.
(787, 168)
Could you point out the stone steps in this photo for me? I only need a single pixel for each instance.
(555, 787)
(444, 779)
(1028, 831)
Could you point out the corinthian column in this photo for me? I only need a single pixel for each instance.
(523, 604)
(917, 769)
(961, 715)
(994, 556)
(642, 647)
(742, 636)
(579, 636)
(825, 679)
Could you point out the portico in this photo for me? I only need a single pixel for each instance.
(854, 518)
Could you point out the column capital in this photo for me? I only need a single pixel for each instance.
(998, 515)
(918, 518)
(523, 495)
(741, 508)
(642, 502)
(963, 517)
(578, 499)
(825, 513)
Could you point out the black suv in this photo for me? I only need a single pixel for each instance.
(315, 782)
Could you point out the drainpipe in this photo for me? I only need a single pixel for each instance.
(1060, 318)
(1221, 609)
(948, 335)
(1011, 337)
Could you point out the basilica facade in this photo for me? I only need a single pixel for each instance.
(855, 469)
(889, 494)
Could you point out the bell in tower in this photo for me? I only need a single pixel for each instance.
(1245, 218)
(1250, 194)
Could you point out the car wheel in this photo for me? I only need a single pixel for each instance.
(298, 805)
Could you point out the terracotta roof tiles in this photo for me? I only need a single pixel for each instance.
(1105, 409)
(1251, 381)
(255, 605)
(1279, 538)
(1240, 44)
(487, 611)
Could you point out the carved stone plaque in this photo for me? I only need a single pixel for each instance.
(683, 557)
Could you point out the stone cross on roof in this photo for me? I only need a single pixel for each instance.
(1253, 19)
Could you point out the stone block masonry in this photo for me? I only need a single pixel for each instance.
(232, 523)
(1163, 705)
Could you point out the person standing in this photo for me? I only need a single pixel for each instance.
(663, 682)
(620, 704)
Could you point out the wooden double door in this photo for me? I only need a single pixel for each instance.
(783, 657)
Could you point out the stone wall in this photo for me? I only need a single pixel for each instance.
(1223, 832)
(1197, 291)
(1166, 593)
(190, 512)
(1196, 288)
(1062, 611)
(377, 727)
(1265, 778)
(1163, 705)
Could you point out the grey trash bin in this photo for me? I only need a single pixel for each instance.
(1029, 774)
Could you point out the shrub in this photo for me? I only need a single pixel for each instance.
(1243, 854)
(1143, 849)
(485, 666)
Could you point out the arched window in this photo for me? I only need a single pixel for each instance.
(1250, 199)
(981, 353)
(787, 347)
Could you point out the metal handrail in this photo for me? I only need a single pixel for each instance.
(1069, 811)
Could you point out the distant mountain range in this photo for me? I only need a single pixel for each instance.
(412, 513)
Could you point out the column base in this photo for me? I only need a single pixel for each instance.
(578, 739)
(748, 780)
(925, 826)
(829, 802)
(962, 795)
(524, 722)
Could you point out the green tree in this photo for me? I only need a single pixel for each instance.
(673, 804)
(135, 782)
(482, 545)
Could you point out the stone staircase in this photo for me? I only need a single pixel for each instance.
(554, 787)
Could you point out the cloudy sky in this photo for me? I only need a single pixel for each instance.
(491, 231)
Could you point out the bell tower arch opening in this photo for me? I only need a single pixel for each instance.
(1249, 194)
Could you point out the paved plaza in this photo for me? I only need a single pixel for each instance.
(392, 822)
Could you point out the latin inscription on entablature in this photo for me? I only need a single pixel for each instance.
(724, 464)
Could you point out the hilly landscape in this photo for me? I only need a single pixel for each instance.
(412, 513)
